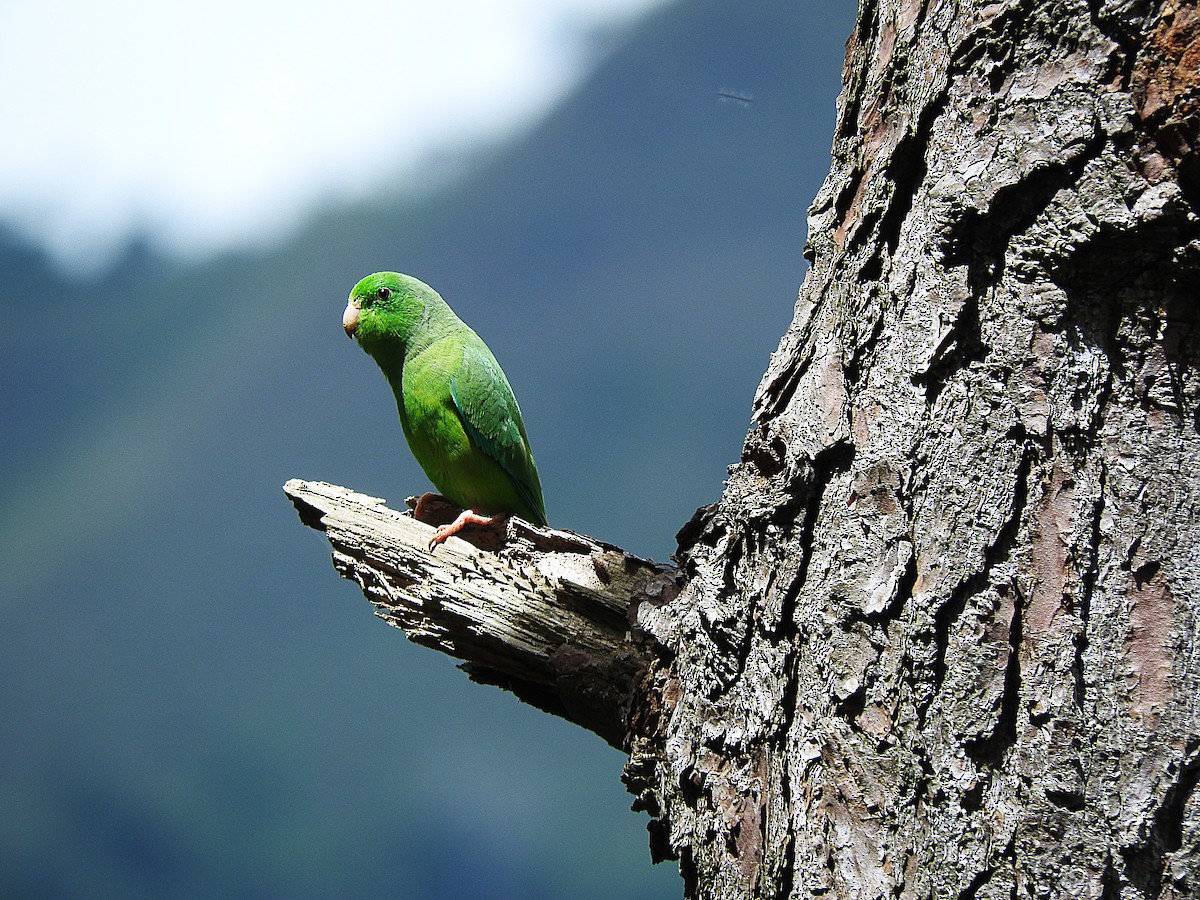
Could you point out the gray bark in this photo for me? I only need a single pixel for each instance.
(938, 637)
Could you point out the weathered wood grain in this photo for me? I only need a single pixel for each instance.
(541, 612)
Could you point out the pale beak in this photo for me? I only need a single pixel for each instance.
(350, 319)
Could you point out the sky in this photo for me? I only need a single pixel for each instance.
(202, 127)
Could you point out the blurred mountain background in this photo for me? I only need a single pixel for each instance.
(194, 704)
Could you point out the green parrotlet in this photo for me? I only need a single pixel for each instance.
(456, 407)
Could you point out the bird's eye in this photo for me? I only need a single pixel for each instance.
(383, 293)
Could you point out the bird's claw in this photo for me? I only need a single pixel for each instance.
(443, 532)
(466, 517)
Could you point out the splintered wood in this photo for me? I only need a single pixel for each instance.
(545, 614)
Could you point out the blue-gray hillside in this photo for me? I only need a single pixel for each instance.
(194, 704)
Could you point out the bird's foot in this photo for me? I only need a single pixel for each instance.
(421, 508)
(466, 517)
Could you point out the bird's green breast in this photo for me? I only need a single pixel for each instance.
(434, 431)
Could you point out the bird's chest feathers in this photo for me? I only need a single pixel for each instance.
(431, 422)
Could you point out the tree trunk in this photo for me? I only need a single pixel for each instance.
(938, 637)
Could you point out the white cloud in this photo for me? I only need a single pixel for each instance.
(211, 125)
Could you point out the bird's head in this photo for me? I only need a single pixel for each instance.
(384, 309)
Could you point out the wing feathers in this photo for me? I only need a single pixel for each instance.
(491, 418)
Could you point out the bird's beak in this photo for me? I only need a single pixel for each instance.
(350, 319)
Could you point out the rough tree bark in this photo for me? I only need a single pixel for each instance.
(939, 636)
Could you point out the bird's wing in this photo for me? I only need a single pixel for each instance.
(488, 409)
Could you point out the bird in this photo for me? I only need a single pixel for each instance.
(457, 409)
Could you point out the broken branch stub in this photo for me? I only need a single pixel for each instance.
(544, 613)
